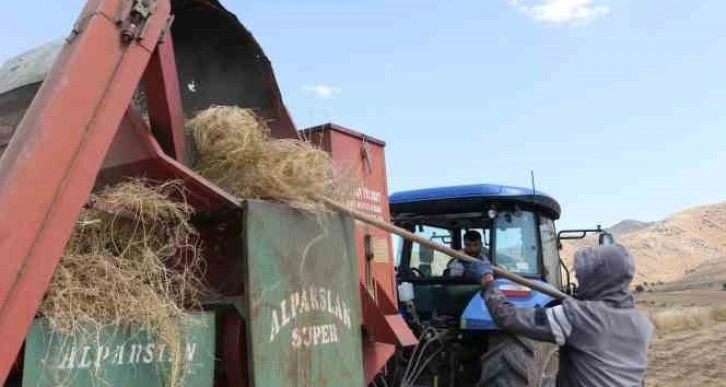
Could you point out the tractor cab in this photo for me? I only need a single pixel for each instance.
(517, 231)
(460, 341)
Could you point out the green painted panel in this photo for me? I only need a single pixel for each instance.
(304, 306)
(117, 356)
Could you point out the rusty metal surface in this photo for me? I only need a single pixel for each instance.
(304, 307)
(50, 165)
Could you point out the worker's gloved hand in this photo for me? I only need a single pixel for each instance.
(477, 270)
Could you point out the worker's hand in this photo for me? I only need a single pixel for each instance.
(480, 270)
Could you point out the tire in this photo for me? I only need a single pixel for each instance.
(514, 361)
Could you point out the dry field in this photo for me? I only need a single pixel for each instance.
(689, 347)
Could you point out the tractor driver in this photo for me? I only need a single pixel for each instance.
(474, 247)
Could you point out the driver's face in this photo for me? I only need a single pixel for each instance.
(472, 248)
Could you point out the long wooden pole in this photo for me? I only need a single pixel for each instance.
(441, 248)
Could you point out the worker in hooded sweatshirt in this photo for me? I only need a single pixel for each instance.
(603, 339)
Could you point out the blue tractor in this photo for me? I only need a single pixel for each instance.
(460, 344)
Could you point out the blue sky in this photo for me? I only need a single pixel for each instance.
(618, 106)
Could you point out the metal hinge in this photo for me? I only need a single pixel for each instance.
(133, 19)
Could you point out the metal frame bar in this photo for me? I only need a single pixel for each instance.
(163, 98)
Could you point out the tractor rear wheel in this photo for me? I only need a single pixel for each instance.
(515, 361)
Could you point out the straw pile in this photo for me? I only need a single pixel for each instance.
(236, 152)
(132, 260)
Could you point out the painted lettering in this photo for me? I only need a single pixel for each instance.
(296, 341)
(338, 310)
(324, 338)
(162, 348)
(307, 339)
(294, 303)
(335, 334)
(275, 329)
(309, 299)
(346, 316)
(149, 353)
(321, 292)
(101, 354)
(313, 298)
(330, 304)
(135, 354)
(120, 355)
(85, 361)
(190, 350)
(68, 361)
(312, 336)
(304, 305)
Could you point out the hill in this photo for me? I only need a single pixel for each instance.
(667, 250)
(627, 226)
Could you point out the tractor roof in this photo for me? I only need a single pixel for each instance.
(469, 198)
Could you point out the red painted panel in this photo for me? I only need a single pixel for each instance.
(375, 357)
(365, 156)
(164, 101)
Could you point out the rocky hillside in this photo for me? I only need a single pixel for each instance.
(667, 250)
(627, 226)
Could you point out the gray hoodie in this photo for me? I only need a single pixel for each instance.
(604, 340)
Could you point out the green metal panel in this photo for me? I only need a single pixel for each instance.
(117, 356)
(304, 306)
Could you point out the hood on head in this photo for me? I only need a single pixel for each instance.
(604, 273)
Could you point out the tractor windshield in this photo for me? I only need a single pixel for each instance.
(521, 242)
(515, 242)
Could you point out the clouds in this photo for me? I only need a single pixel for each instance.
(561, 12)
(323, 91)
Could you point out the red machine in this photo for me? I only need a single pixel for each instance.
(82, 129)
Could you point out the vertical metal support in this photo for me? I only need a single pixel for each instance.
(163, 99)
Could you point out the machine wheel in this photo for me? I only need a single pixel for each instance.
(515, 361)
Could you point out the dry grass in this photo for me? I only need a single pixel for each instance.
(236, 152)
(684, 318)
(132, 260)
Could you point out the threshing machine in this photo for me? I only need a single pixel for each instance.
(302, 300)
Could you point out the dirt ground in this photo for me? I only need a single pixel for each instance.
(689, 347)
(689, 358)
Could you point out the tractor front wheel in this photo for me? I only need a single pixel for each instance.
(515, 361)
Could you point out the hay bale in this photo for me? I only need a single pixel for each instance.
(132, 259)
(236, 152)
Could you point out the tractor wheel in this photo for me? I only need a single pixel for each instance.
(515, 361)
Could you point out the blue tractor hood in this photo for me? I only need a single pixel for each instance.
(476, 316)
